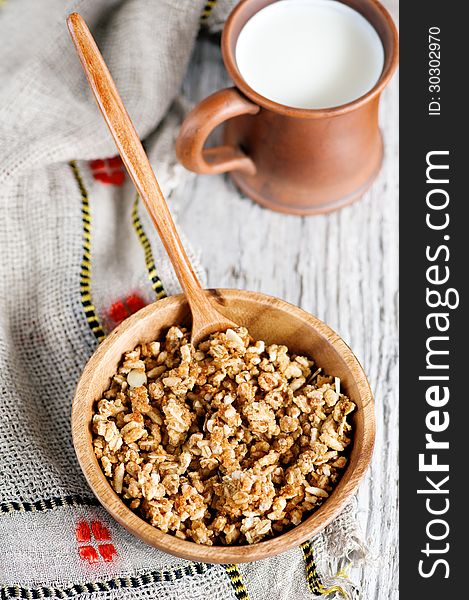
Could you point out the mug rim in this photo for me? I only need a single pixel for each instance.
(229, 60)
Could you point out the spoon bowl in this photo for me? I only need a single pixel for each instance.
(268, 319)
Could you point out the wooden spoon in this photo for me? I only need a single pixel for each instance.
(206, 319)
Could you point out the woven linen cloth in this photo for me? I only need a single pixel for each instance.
(78, 255)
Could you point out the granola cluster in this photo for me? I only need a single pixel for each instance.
(228, 443)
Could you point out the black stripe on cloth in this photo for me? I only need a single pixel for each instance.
(117, 583)
(207, 11)
(45, 504)
(237, 582)
(315, 582)
(156, 283)
(85, 271)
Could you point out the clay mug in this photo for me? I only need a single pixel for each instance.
(293, 160)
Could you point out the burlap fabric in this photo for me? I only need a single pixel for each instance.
(78, 255)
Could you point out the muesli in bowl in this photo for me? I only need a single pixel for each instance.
(229, 443)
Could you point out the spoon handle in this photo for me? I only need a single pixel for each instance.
(138, 166)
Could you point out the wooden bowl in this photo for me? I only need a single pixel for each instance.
(268, 319)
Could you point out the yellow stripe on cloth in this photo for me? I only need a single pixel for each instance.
(314, 580)
(237, 582)
(85, 271)
(156, 283)
(207, 11)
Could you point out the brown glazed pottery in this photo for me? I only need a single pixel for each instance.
(292, 160)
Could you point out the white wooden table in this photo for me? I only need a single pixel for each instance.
(342, 268)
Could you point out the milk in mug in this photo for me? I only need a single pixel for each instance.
(309, 54)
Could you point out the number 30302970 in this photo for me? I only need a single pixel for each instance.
(434, 60)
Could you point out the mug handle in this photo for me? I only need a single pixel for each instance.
(199, 124)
